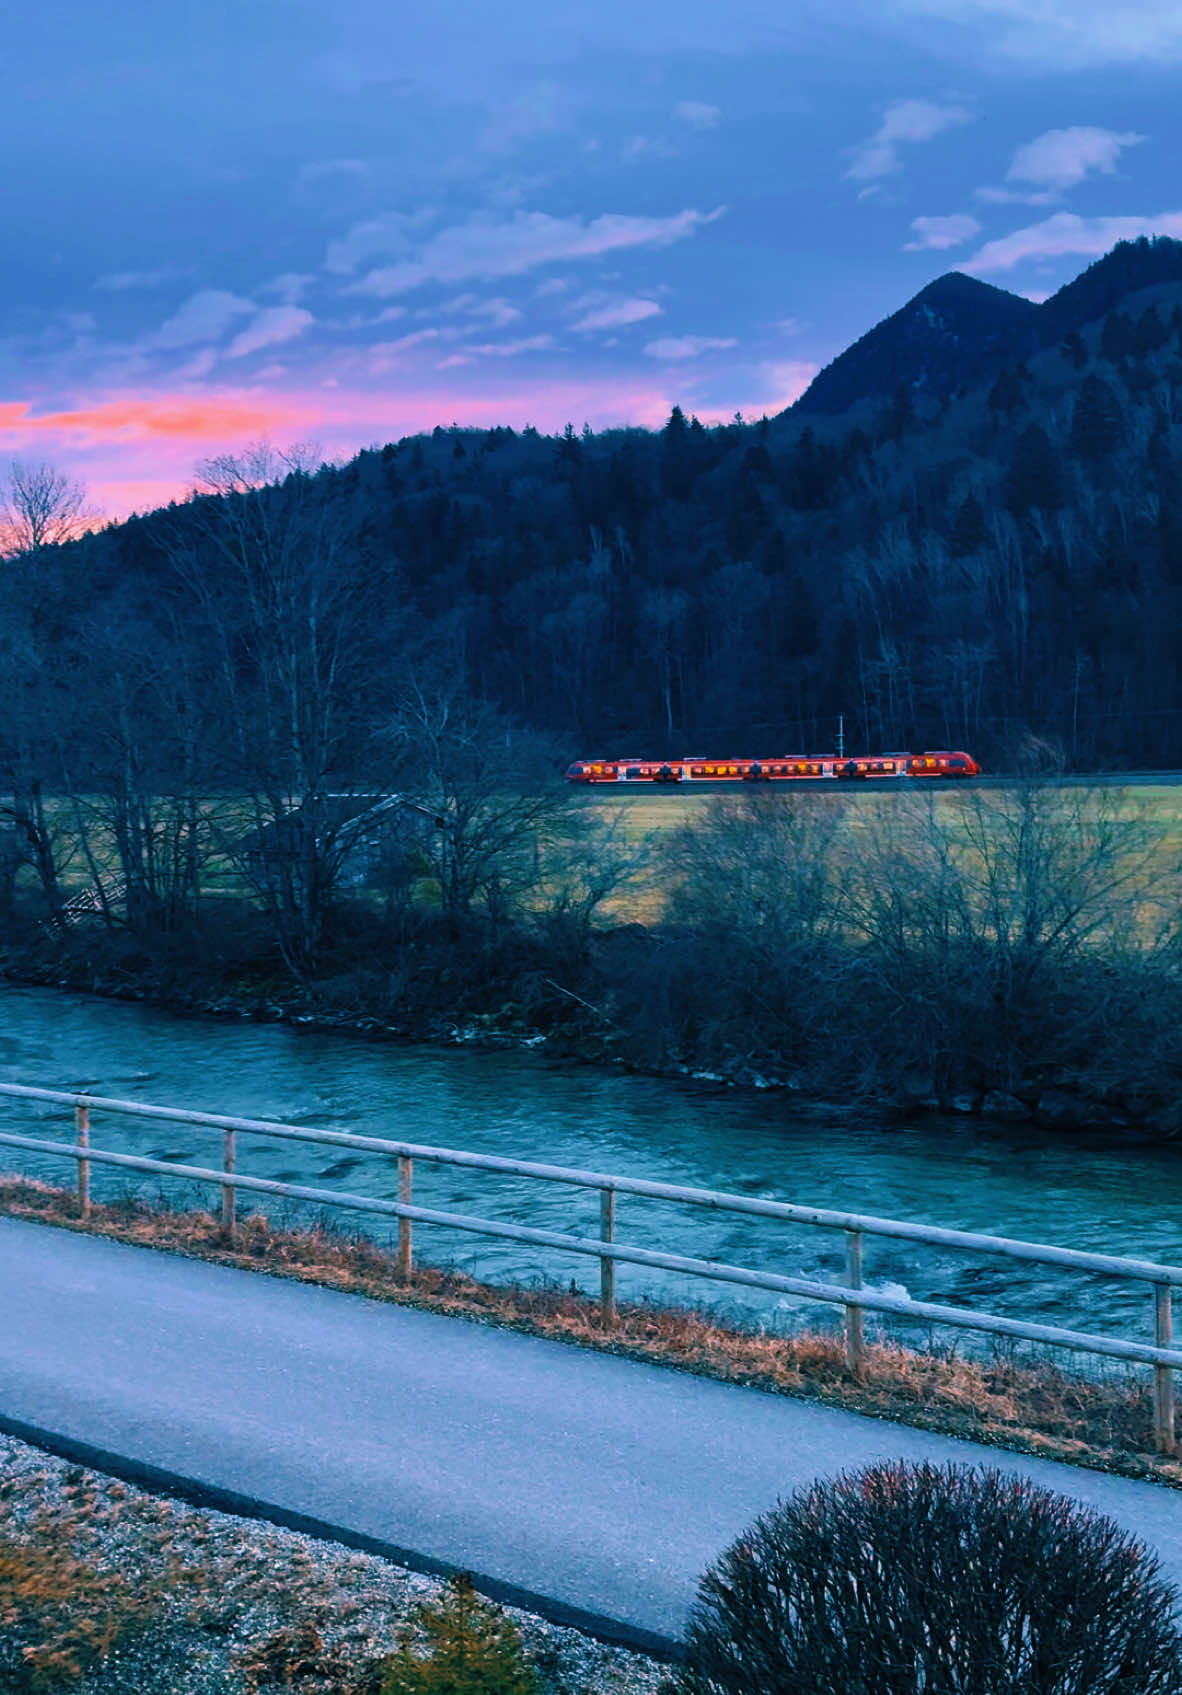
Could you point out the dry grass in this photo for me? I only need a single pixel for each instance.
(1038, 1408)
(64, 1607)
(109, 1588)
(1151, 812)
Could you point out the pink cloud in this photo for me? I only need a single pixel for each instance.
(135, 453)
(183, 417)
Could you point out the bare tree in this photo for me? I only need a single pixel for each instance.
(990, 919)
(494, 792)
(40, 507)
(299, 632)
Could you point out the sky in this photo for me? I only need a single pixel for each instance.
(338, 222)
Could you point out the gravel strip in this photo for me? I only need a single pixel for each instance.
(210, 1590)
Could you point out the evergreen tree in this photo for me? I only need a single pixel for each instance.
(1075, 350)
(1095, 420)
(810, 474)
(1035, 477)
(802, 626)
(677, 476)
(1116, 338)
(1149, 332)
(969, 533)
(1007, 393)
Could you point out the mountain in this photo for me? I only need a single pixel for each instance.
(1131, 267)
(987, 559)
(958, 330)
(947, 336)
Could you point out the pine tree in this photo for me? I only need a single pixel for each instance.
(1035, 478)
(1149, 333)
(1007, 393)
(969, 534)
(1075, 350)
(1096, 420)
(1116, 338)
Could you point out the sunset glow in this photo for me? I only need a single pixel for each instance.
(509, 219)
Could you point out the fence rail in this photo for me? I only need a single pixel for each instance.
(851, 1295)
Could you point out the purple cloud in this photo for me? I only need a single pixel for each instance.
(616, 314)
(273, 325)
(677, 347)
(904, 121)
(1067, 234)
(1061, 158)
(490, 246)
(942, 233)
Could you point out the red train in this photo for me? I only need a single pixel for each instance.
(779, 768)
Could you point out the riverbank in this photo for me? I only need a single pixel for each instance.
(108, 1590)
(1037, 1408)
(510, 1001)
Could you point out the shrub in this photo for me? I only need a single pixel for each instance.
(901, 1580)
(472, 1649)
(58, 1615)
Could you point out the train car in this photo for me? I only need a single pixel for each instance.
(778, 768)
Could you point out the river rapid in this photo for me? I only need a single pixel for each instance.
(961, 1173)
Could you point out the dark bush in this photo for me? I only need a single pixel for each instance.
(930, 1580)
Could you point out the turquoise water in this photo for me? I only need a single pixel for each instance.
(959, 1173)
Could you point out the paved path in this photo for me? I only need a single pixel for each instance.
(599, 1483)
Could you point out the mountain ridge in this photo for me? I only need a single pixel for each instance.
(959, 330)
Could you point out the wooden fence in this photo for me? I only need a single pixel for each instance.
(850, 1295)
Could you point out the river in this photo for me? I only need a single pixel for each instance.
(960, 1173)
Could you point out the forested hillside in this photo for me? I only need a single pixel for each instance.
(948, 563)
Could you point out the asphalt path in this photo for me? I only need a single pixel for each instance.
(594, 1489)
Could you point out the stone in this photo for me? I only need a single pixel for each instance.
(998, 1104)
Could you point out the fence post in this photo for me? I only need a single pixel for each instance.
(82, 1135)
(855, 1318)
(228, 1214)
(607, 1267)
(406, 1169)
(1163, 1377)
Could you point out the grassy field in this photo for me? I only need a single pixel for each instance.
(1148, 815)
(652, 812)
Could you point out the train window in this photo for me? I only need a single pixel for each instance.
(632, 771)
(889, 766)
